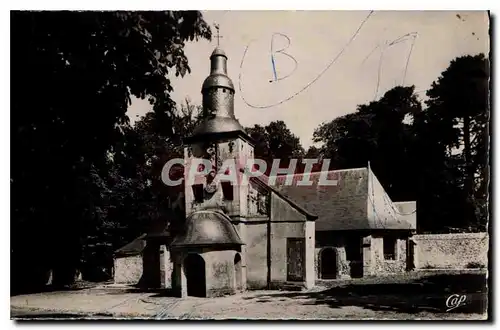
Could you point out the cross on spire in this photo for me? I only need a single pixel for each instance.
(218, 35)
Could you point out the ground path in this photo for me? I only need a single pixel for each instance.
(404, 298)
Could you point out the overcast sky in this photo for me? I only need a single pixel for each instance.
(313, 39)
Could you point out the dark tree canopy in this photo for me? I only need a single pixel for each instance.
(275, 141)
(379, 133)
(313, 153)
(72, 77)
(458, 107)
(139, 201)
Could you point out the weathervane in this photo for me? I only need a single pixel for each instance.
(218, 35)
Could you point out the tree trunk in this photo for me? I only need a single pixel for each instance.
(469, 169)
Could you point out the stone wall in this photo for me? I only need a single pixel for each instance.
(382, 266)
(317, 266)
(342, 264)
(128, 270)
(454, 251)
(219, 268)
(166, 267)
(220, 272)
(370, 262)
(335, 240)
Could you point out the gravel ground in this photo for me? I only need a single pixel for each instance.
(402, 299)
(97, 304)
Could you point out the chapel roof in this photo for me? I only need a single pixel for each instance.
(207, 228)
(133, 248)
(218, 101)
(218, 51)
(357, 202)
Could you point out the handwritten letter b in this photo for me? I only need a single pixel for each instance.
(281, 51)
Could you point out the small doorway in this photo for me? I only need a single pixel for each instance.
(328, 264)
(238, 273)
(356, 269)
(354, 256)
(410, 255)
(194, 266)
(295, 259)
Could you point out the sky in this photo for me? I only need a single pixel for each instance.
(331, 61)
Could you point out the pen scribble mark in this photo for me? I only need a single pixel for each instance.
(408, 36)
(274, 68)
(281, 51)
(309, 84)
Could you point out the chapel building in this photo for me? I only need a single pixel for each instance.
(257, 235)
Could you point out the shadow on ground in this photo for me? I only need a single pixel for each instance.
(157, 293)
(428, 294)
(59, 316)
(78, 286)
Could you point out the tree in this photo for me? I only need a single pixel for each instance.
(458, 104)
(378, 132)
(80, 70)
(137, 200)
(312, 153)
(275, 141)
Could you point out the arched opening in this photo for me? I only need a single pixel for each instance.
(194, 266)
(238, 276)
(328, 263)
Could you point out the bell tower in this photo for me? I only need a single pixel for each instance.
(219, 137)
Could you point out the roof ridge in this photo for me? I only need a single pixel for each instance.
(294, 204)
(316, 172)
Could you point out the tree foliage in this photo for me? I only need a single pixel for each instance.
(378, 132)
(458, 106)
(275, 141)
(137, 200)
(73, 74)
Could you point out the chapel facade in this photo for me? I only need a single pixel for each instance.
(236, 235)
(262, 234)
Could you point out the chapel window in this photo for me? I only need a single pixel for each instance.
(198, 192)
(390, 244)
(227, 190)
(262, 204)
